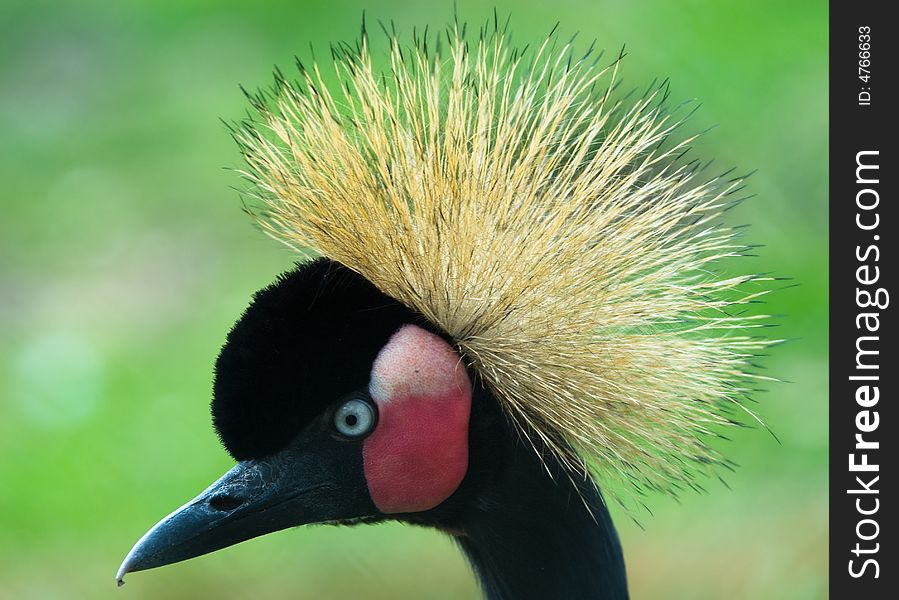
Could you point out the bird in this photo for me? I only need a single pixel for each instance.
(511, 307)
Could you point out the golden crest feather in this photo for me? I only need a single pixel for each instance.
(554, 232)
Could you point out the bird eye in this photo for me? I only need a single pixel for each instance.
(354, 418)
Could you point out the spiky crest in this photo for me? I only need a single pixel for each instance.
(554, 232)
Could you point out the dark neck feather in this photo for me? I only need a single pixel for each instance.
(529, 533)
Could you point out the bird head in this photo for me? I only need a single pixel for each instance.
(511, 251)
(339, 405)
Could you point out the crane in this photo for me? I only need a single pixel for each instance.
(508, 295)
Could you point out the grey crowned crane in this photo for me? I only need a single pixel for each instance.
(509, 294)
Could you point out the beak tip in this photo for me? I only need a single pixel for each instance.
(120, 574)
(128, 565)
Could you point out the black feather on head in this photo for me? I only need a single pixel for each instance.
(304, 342)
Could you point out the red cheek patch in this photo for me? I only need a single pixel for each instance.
(418, 454)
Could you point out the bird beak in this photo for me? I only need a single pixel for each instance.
(252, 499)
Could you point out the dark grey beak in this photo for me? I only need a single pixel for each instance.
(252, 499)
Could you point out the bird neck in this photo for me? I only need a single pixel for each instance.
(535, 532)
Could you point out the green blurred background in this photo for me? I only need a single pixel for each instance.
(125, 258)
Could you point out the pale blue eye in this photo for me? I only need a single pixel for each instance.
(354, 418)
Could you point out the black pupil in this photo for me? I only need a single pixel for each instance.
(351, 420)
